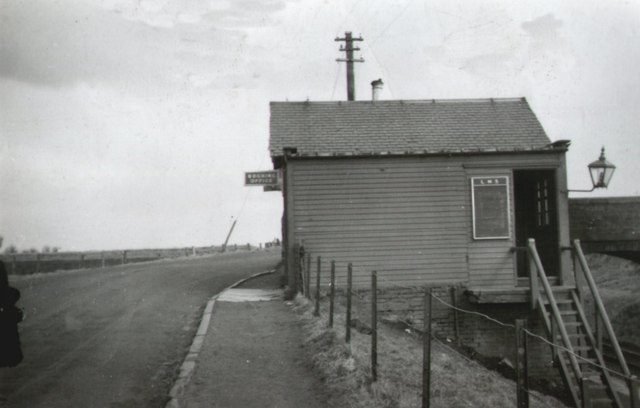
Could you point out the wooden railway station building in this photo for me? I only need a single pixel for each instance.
(469, 195)
(425, 192)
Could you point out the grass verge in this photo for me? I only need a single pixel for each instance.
(456, 381)
(618, 282)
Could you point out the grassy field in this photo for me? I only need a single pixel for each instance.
(29, 263)
(618, 282)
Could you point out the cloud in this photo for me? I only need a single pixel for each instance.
(545, 30)
(548, 53)
(171, 13)
(137, 46)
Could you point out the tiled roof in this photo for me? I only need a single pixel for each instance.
(404, 127)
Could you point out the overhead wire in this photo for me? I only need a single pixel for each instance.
(335, 81)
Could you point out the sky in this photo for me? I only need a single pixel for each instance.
(130, 124)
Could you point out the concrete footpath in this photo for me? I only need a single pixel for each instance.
(248, 353)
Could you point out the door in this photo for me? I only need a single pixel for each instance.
(537, 217)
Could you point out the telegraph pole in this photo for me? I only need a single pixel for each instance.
(348, 48)
(226, 241)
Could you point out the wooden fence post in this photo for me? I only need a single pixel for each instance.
(13, 264)
(81, 261)
(316, 311)
(332, 293)
(456, 323)
(347, 335)
(586, 396)
(124, 257)
(426, 349)
(634, 391)
(374, 326)
(599, 329)
(308, 272)
(298, 251)
(522, 375)
(37, 263)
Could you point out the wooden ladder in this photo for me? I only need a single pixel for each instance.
(577, 349)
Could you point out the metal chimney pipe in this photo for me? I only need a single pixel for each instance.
(376, 88)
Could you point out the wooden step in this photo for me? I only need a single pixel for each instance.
(565, 314)
(574, 335)
(602, 403)
(588, 362)
(558, 301)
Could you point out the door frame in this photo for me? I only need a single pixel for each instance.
(538, 218)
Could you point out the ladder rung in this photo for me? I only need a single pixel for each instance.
(565, 313)
(595, 401)
(563, 301)
(573, 336)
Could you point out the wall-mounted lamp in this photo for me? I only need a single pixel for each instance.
(601, 172)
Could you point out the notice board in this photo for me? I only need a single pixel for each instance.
(490, 199)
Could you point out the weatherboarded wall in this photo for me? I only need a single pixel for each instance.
(409, 218)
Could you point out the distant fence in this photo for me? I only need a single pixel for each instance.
(24, 264)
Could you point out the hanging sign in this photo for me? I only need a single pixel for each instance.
(261, 178)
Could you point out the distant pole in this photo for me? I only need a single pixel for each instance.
(348, 48)
(226, 241)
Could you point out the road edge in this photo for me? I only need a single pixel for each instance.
(190, 361)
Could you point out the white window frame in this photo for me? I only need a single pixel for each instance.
(506, 184)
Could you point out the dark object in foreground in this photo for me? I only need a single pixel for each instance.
(10, 316)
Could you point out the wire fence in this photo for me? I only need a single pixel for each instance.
(365, 322)
(30, 263)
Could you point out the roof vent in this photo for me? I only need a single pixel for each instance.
(376, 88)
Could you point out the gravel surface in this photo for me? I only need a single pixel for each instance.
(253, 356)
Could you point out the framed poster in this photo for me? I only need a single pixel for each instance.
(490, 202)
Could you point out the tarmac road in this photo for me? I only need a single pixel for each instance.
(115, 337)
